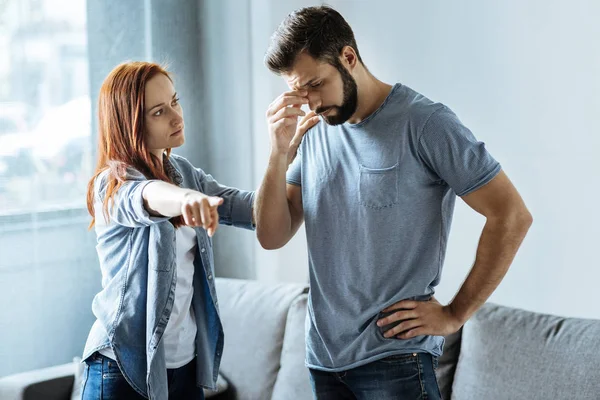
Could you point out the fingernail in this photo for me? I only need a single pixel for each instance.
(379, 323)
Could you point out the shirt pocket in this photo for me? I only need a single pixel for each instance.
(378, 188)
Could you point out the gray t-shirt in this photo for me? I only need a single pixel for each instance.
(378, 199)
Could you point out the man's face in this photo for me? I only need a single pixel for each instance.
(332, 91)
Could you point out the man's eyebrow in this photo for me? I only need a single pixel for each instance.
(307, 83)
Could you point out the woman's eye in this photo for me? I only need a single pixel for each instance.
(175, 101)
(158, 113)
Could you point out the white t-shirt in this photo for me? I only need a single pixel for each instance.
(179, 337)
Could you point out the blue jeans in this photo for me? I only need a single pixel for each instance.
(405, 376)
(103, 381)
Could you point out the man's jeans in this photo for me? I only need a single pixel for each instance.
(103, 380)
(406, 376)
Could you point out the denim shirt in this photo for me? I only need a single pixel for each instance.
(139, 270)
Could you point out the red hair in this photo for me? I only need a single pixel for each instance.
(121, 130)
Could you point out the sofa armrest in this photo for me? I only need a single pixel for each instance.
(54, 383)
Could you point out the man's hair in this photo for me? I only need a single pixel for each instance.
(320, 31)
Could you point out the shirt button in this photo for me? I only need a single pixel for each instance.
(203, 250)
(209, 277)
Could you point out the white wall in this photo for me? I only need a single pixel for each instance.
(291, 262)
(237, 90)
(226, 128)
(525, 77)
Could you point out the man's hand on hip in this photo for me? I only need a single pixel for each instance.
(420, 318)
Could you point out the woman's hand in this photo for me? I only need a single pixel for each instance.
(198, 209)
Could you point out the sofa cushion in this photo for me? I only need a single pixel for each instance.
(293, 380)
(254, 317)
(514, 354)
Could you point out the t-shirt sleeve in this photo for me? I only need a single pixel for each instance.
(453, 155)
(294, 172)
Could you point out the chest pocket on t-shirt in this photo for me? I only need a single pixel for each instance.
(378, 188)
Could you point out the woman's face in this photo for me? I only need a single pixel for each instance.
(163, 116)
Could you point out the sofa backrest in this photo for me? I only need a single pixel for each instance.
(254, 317)
(514, 354)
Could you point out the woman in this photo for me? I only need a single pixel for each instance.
(158, 333)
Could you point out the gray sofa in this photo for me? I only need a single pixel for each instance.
(501, 353)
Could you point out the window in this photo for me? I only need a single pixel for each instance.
(45, 110)
(48, 267)
(49, 272)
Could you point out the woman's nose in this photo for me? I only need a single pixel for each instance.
(177, 120)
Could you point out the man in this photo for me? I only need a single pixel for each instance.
(376, 183)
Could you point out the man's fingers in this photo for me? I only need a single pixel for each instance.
(287, 99)
(291, 93)
(398, 316)
(287, 112)
(420, 331)
(303, 127)
(279, 124)
(403, 327)
(306, 124)
(290, 121)
(308, 116)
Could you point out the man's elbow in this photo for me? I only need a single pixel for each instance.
(528, 219)
(268, 242)
(268, 245)
(521, 220)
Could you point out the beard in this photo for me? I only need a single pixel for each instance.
(349, 103)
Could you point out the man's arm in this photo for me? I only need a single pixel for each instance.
(508, 221)
(278, 206)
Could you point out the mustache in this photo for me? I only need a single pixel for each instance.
(322, 110)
